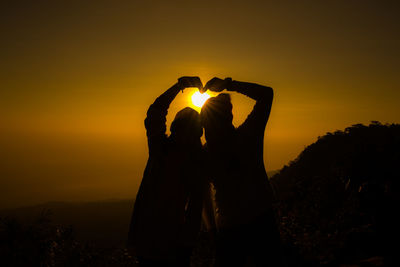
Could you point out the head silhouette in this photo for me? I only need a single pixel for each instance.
(186, 128)
(216, 117)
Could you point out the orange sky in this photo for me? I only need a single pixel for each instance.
(78, 77)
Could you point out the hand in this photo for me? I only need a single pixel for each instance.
(190, 81)
(217, 84)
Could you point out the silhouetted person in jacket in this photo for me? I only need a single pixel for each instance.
(167, 211)
(246, 227)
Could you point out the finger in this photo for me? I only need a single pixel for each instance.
(210, 83)
(183, 78)
(200, 87)
(184, 84)
(189, 81)
(213, 83)
(207, 87)
(183, 81)
(198, 83)
(203, 91)
(215, 89)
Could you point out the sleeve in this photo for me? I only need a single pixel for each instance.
(156, 119)
(257, 120)
(155, 124)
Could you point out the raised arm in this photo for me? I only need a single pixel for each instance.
(155, 121)
(263, 96)
(252, 90)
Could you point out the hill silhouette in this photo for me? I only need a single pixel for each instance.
(338, 200)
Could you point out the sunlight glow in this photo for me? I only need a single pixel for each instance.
(199, 99)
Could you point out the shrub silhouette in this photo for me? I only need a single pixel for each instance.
(43, 243)
(337, 199)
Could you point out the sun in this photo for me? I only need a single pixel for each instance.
(198, 99)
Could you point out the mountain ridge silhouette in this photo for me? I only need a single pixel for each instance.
(337, 200)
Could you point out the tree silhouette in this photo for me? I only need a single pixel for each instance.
(337, 199)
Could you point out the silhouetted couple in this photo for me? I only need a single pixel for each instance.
(225, 180)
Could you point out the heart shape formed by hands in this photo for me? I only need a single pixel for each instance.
(200, 97)
(215, 84)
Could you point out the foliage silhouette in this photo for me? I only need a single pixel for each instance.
(337, 199)
(43, 243)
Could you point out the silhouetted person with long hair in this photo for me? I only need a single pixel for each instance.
(246, 226)
(167, 211)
